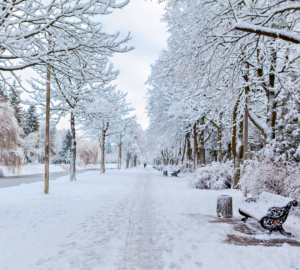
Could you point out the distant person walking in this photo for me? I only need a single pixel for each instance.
(145, 164)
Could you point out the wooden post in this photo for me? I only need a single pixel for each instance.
(47, 132)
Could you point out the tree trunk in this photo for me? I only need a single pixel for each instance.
(239, 153)
(236, 158)
(73, 150)
(245, 139)
(102, 149)
(219, 153)
(134, 161)
(272, 102)
(245, 144)
(128, 160)
(176, 156)
(189, 149)
(120, 154)
(269, 88)
(47, 132)
(201, 149)
(195, 147)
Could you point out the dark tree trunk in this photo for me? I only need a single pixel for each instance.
(189, 149)
(128, 160)
(73, 150)
(201, 149)
(195, 146)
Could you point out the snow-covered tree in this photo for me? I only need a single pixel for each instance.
(29, 26)
(107, 117)
(15, 102)
(88, 151)
(10, 153)
(64, 154)
(30, 146)
(31, 122)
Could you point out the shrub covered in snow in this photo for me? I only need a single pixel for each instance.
(272, 174)
(214, 176)
(88, 151)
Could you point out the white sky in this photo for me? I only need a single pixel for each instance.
(149, 34)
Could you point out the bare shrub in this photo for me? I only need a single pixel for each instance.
(88, 151)
(10, 153)
(216, 176)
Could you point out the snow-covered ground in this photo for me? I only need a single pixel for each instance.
(31, 169)
(40, 168)
(129, 219)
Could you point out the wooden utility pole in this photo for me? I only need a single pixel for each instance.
(47, 132)
(102, 149)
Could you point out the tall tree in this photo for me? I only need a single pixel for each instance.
(31, 123)
(65, 152)
(53, 134)
(15, 102)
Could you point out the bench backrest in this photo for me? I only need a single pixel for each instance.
(260, 208)
(273, 200)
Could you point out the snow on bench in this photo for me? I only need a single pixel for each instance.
(270, 210)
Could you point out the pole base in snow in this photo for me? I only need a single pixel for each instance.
(165, 173)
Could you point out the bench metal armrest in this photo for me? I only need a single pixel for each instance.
(249, 200)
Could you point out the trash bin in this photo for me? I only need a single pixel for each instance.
(224, 206)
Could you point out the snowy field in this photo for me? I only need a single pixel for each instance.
(40, 168)
(129, 219)
(32, 169)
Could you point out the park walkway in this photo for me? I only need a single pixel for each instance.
(132, 219)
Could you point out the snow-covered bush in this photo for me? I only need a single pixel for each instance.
(30, 146)
(271, 174)
(215, 176)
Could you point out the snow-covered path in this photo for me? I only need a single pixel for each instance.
(128, 219)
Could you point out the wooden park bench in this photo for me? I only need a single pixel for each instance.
(175, 173)
(270, 210)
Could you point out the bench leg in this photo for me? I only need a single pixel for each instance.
(244, 219)
(245, 216)
(283, 232)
